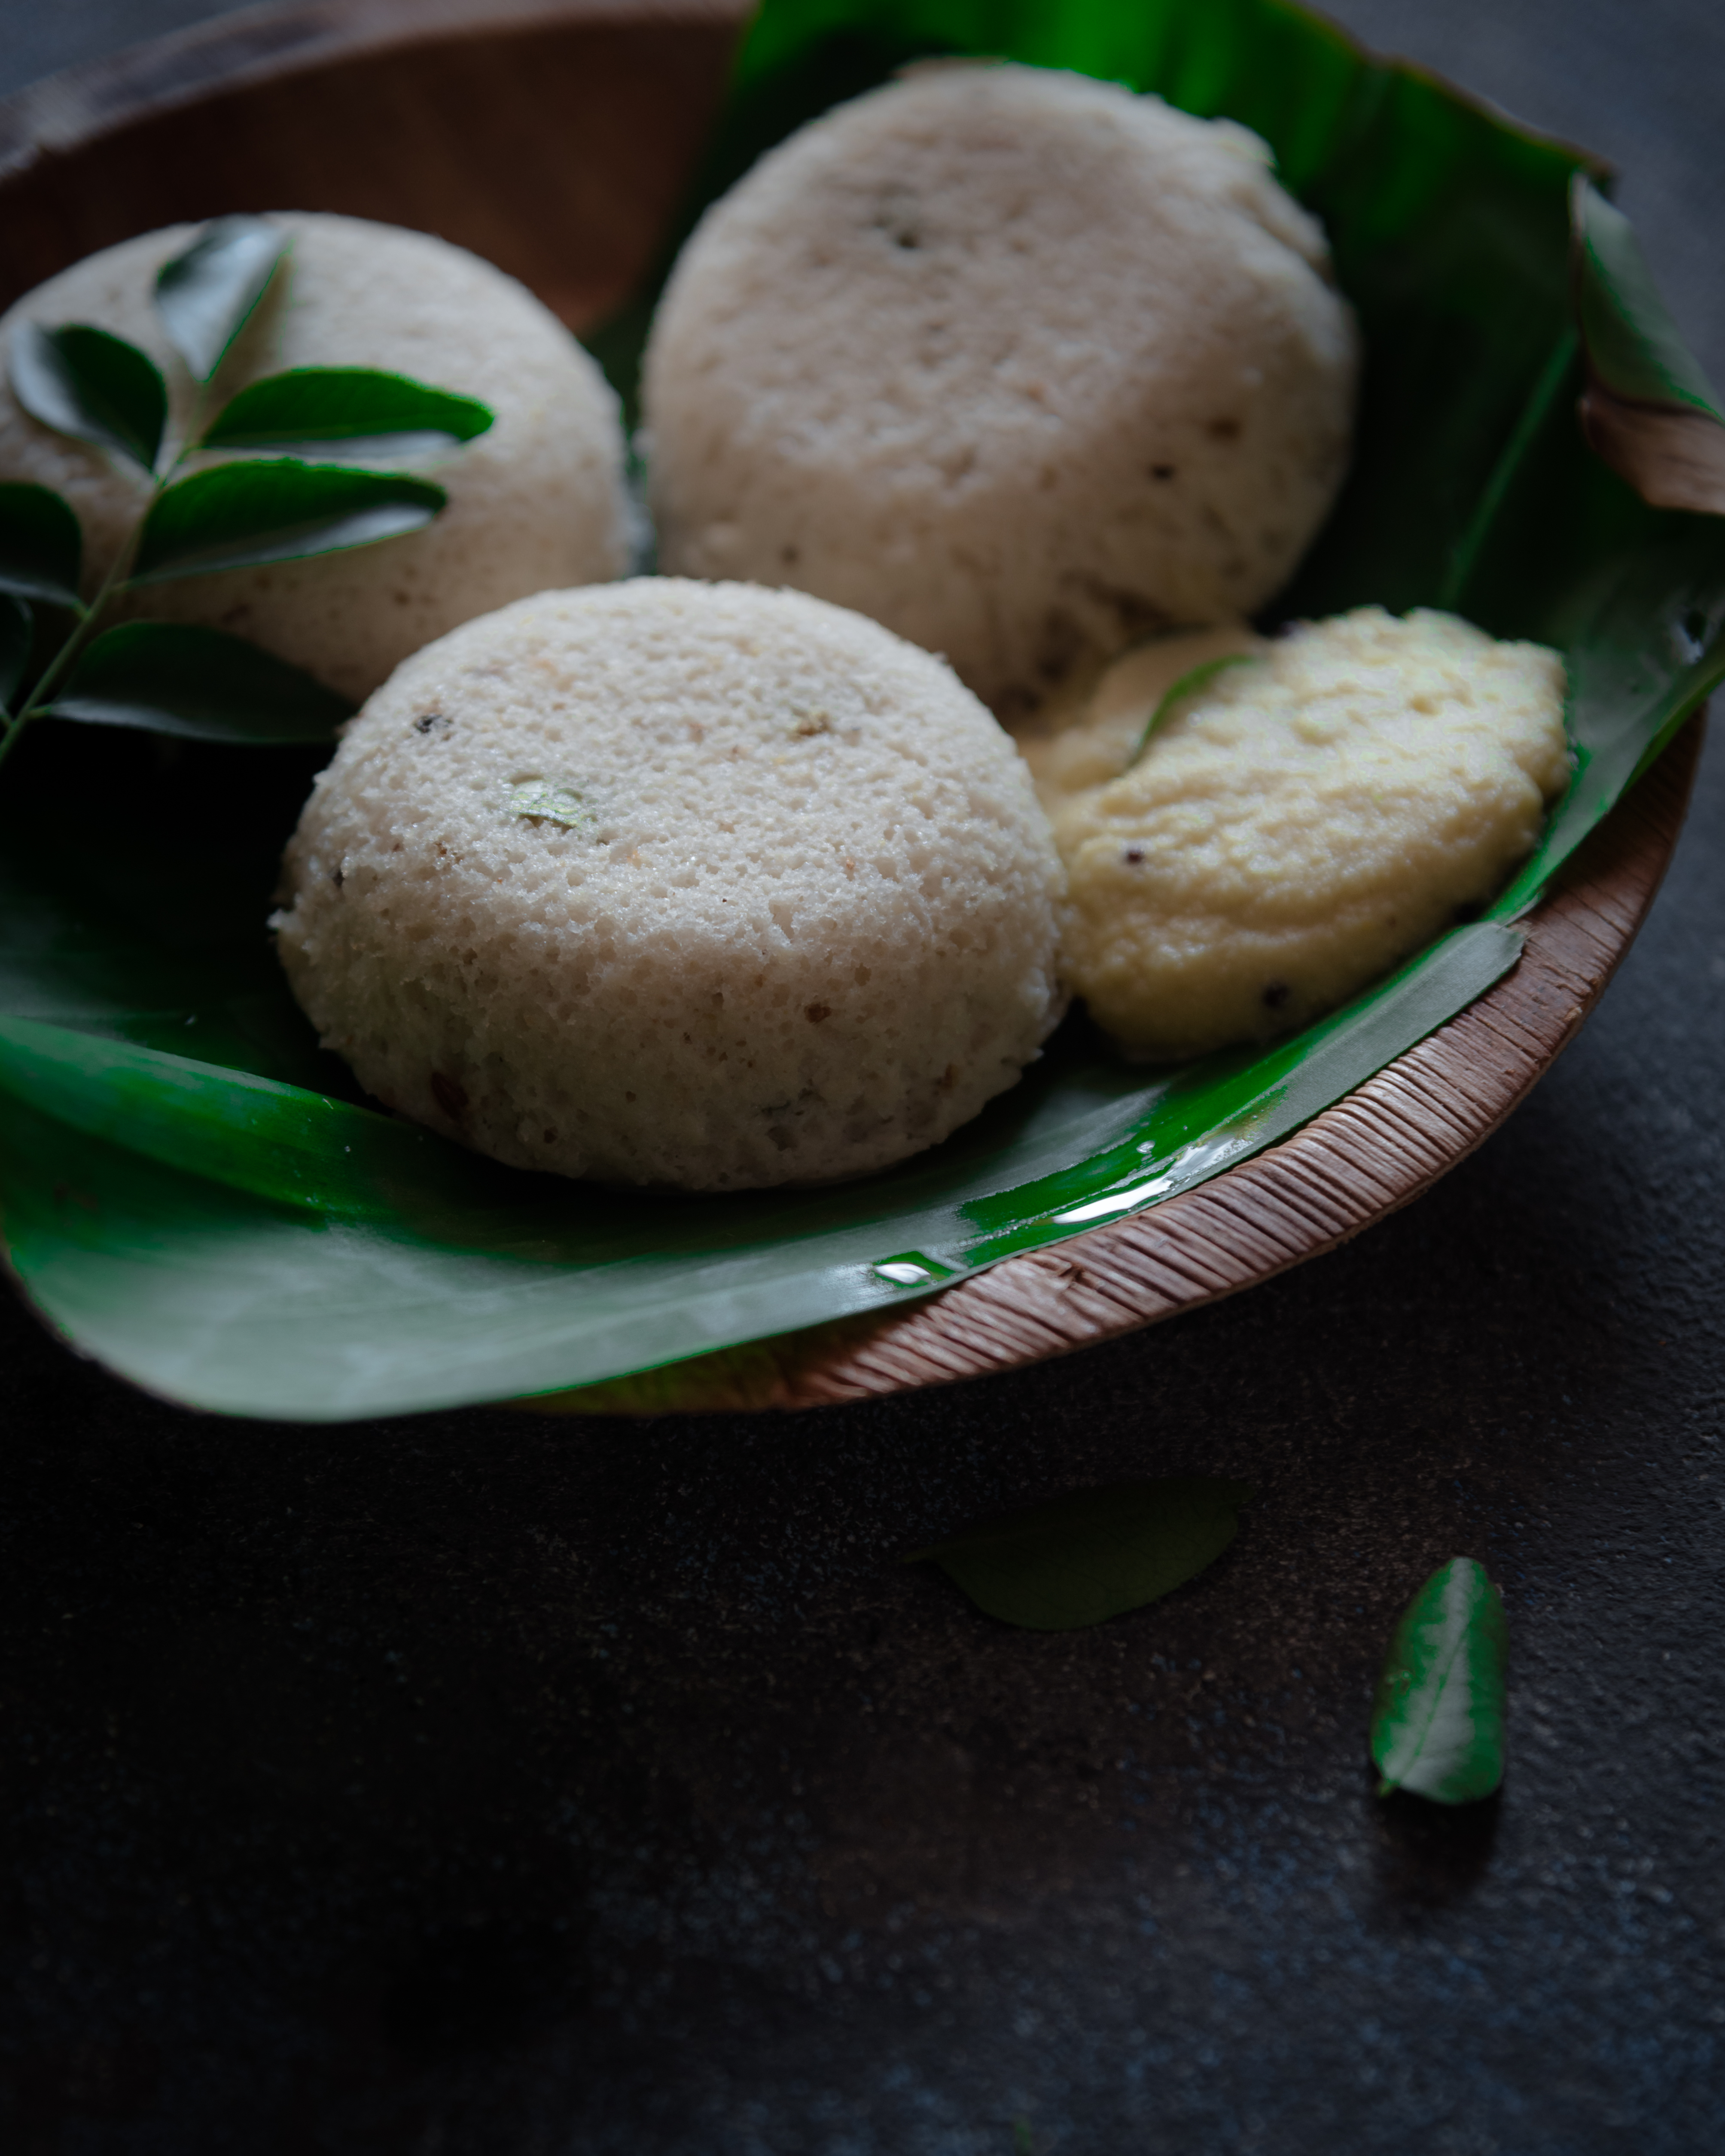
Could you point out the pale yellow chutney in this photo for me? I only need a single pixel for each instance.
(1298, 823)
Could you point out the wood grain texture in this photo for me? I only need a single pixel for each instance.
(1351, 1165)
(557, 138)
(554, 137)
(1672, 456)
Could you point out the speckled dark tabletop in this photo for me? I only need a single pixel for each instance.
(478, 1785)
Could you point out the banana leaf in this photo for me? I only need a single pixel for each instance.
(195, 1193)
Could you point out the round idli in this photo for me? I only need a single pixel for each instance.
(670, 883)
(1297, 823)
(1022, 365)
(536, 501)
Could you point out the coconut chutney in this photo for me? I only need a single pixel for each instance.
(1298, 823)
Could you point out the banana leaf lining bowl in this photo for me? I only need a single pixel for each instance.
(228, 1224)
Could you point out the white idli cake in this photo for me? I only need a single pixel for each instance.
(1017, 362)
(670, 883)
(1297, 823)
(536, 500)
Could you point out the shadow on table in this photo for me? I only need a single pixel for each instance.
(1431, 1856)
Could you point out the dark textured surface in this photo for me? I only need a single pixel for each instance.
(486, 1786)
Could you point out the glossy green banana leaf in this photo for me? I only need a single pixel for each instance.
(196, 1194)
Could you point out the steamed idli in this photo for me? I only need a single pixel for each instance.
(1020, 364)
(672, 883)
(1297, 824)
(536, 500)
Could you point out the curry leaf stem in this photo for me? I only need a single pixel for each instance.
(88, 616)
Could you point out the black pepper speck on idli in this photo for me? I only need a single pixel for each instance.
(536, 501)
(672, 883)
(1020, 364)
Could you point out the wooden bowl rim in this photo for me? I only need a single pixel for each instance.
(73, 109)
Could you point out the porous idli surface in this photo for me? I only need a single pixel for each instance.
(671, 883)
(1017, 362)
(1297, 824)
(536, 501)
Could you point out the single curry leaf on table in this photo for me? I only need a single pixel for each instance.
(169, 678)
(1093, 1553)
(17, 626)
(206, 295)
(278, 509)
(93, 386)
(41, 545)
(1437, 1723)
(327, 408)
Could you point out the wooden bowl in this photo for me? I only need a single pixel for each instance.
(556, 137)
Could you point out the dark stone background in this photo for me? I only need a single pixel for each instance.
(479, 1786)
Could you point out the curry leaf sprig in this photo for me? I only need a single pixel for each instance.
(97, 388)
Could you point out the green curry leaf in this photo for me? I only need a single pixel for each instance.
(17, 632)
(1093, 1553)
(540, 802)
(170, 679)
(206, 295)
(1437, 1724)
(1189, 685)
(90, 385)
(278, 509)
(326, 407)
(41, 545)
